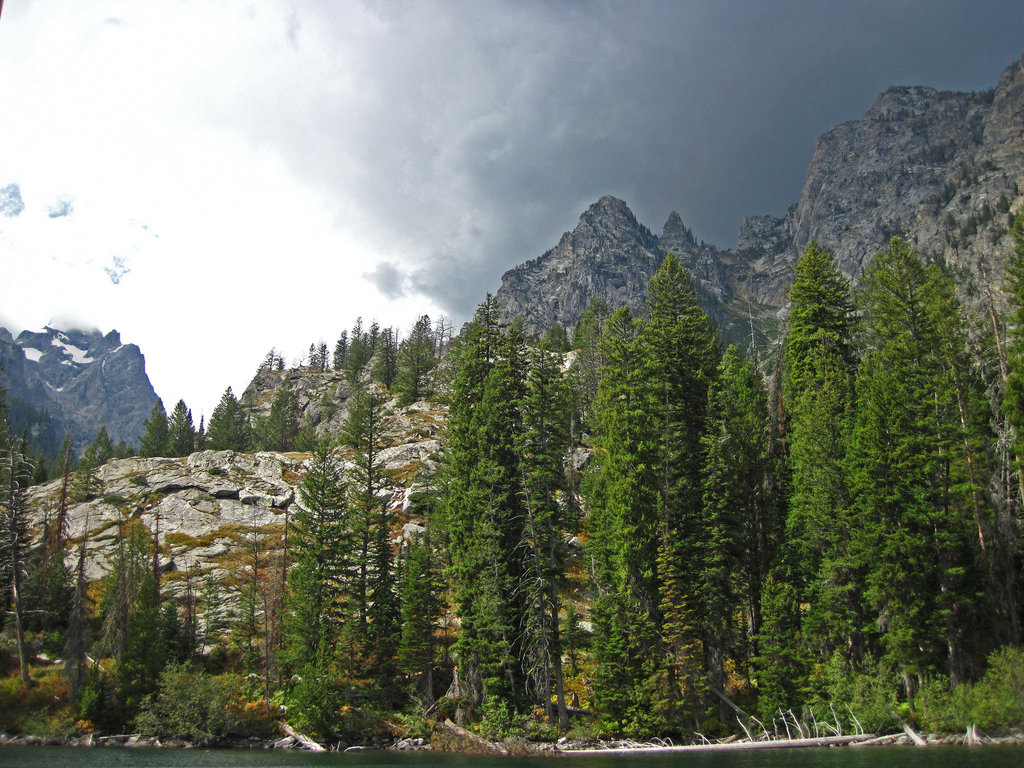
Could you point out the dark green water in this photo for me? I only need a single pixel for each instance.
(872, 757)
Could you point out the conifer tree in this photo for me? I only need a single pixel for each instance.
(623, 530)
(385, 366)
(182, 431)
(740, 525)
(229, 428)
(543, 443)
(340, 352)
(156, 439)
(910, 474)
(365, 432)
(483, 509)
(15, 474)
(319, 581)
(421, 612)
(818, 392)
(360, 351)
(280, 430)
(1013, 395)
(416, 360)
(682, 350)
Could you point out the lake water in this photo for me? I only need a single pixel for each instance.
(1002, 756)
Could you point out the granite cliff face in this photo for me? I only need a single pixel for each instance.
(207, 510)
(609, 255)
(943, 170)
(80, 380)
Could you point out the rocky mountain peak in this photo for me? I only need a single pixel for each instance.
(677, 234)
(609, 254)
(943, 170)
(80, 380)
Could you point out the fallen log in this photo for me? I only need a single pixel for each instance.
(461, 732)
(914, 736)
(306, 742)
(824, 741)
(879, 740)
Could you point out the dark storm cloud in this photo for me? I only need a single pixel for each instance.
(388, 279)
(470, 135)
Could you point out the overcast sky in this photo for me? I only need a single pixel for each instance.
(217, 178)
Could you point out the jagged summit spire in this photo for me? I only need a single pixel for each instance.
(609, 209)
(675, 232)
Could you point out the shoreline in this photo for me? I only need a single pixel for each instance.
(537, 749)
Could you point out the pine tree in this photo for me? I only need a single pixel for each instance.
(340, 352)
(156, 439)
(144, 651)
(365, 432)
(585, 370)
(385, 366)
(818, 391)
(15, 474)
(482, 491)
(182, 431)
(319, 581)
(421, 613)
(740, 524)
(910, 471)
(280, 430)
(229, 428)
(623, 529)
(417, 358)
(360, 351)
(682, 350)
(543, 442)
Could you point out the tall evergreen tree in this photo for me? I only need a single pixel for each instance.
(340, 352)
(319, 581)
(623, 530)
(182, 431)
(483, 509)
(543, 443)
(911, 478)
(818, 393)
(229, 428)
(15, 474)
(741, 528)
(156, 439)
(416, 359)
(280, 430)
(421, 613)
(378, 618)
(683, 354)
(385, 366)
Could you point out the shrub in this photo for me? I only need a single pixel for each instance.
(41, 710)
(997, 700)
(194, 706)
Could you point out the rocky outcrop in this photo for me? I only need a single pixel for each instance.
(207, 510)
(81, 381)
(943, 170)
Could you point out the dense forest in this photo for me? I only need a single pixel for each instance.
(629, 532)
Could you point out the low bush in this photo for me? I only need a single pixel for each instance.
(194, 706)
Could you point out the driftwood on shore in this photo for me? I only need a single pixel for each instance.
(823, 741)
(306, 742)
(480, 741)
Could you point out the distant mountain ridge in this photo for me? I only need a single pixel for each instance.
(74, 382)
(943, 170)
